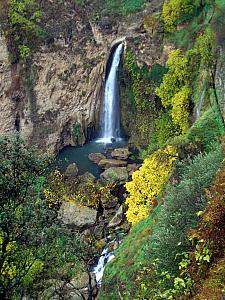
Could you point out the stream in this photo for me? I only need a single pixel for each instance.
(106, 256)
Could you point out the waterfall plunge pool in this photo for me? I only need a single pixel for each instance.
(79, 155)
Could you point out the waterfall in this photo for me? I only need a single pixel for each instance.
(110, 121)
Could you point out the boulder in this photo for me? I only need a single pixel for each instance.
(71, 171)
(117, 219)
(96, 157)
(80, 282)
(72, 214)
(121, 153)
(107, 163)
(118, 175)
(87, 177)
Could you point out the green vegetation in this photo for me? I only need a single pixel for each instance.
(76, 132)
(138, 85)
(175, 249)
(24, 26)
(33, 246)
(153, 245)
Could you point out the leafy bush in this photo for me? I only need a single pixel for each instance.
(207, 130)
(164, 129)
(175, 11)
(32, 245)
(175, 90)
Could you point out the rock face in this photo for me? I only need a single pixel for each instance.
(116, 175)
(107, 163)
(73, 215)
(77, 289)
(7, 105)
(121, 153)
(55, 100)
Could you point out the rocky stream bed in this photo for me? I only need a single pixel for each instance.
(106, 225)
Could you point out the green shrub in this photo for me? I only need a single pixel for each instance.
(207, 130)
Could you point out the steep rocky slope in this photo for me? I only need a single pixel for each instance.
(54, 99)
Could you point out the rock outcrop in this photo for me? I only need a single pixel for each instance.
(107, 163)
(75, 216)
(115, 175)
(121, 153)
(96, 157)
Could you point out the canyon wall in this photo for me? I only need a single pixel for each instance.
(55, 98)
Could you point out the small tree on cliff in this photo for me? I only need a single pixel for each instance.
(32, 244)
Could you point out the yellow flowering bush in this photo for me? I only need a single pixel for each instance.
(175, 91)
(180, 113)
(148, 182)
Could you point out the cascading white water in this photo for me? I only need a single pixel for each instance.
(110, 122)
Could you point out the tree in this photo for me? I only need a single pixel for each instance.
(32, 243)
(175, 10)
(24, 25)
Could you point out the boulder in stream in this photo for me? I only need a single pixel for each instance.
(74, 215)
(121, 153)
(107, 163)
(118, 175)
(96, 157)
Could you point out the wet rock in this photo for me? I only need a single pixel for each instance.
(115, 175)
(121, 153)
(71, 171)
(51, 291)
(96, 157)
(107, 163)
(72, 214)
(117, 219)
(112, 203)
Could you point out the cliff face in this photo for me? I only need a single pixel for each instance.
(62, 86)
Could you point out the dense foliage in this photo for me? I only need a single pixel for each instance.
(32, 244)
(148, 182)
(155, 245)
(24, 26)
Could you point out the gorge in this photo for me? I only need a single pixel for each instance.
(109, 134)
(112, 170)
